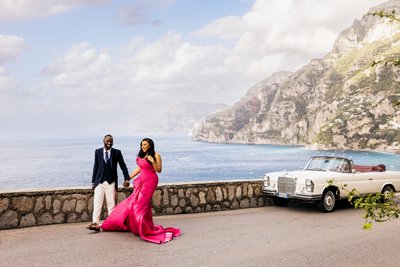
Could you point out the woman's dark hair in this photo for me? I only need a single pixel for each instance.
(150, 151)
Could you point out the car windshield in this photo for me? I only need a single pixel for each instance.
(328, 164)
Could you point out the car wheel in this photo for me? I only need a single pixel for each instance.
(387, 189)
(278, 201)
(328, 201)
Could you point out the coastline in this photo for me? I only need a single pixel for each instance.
(389, 150)
(320, 147)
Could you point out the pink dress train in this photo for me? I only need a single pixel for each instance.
(134, 213)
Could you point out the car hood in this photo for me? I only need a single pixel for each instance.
(304, 174)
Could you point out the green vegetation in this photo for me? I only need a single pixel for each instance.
(390, 135)
(394, 55)
(271, 134)
(386, 80)
(377, 207)
(301, 108)
(395, 100)
(214, 120)
(384, 14)
(367, 83)
(325, 136)
(336, 89)
(260, 117)
(356, 57)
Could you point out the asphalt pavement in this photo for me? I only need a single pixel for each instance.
(297, 235)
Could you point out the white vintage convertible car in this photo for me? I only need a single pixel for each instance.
(311, 184)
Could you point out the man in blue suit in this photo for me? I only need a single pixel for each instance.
(105, 178)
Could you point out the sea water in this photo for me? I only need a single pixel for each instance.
(68, 162)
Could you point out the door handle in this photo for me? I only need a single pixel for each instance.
(370, 179)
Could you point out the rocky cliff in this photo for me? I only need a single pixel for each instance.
(342, 101)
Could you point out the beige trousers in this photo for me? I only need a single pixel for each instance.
(104, 189)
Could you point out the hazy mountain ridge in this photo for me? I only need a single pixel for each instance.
(340, 101)
(181, 117)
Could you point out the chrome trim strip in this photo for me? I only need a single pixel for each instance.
(272, 193)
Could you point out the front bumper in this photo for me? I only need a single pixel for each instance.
(307, 198)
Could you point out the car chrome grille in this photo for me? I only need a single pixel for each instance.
(286, 185)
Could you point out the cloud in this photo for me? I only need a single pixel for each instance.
(11, 47)
(82, 65)
(228, 28)
(130, 14)
(175, 69)
(10, 97)
(281, 34)
(28, 9)
(92, 85)
(138, 12)
(6, 83)
(306, 26)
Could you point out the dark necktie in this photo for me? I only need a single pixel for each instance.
(107, 157)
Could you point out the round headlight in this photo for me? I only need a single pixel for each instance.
(267, 180)
(309, 185)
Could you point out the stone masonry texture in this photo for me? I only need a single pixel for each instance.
(31, 208)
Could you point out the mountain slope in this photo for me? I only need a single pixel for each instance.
(340, 101)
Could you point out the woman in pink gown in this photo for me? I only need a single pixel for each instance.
(134, 213)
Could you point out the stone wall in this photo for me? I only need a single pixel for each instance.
(22, 209)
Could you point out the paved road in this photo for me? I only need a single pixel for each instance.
(297, 235)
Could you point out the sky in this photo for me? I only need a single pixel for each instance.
(91, 67)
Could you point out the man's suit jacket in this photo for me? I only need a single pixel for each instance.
(98, 168)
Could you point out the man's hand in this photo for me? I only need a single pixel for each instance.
(126, 184)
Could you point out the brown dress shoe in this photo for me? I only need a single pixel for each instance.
(94, 226)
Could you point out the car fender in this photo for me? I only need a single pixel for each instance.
(334, 188)
(390, 184)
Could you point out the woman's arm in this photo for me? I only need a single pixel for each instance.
(134, 173)
(156, 162)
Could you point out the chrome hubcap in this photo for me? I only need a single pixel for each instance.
(329, 200)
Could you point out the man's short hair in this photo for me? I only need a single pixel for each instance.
(108, 135)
